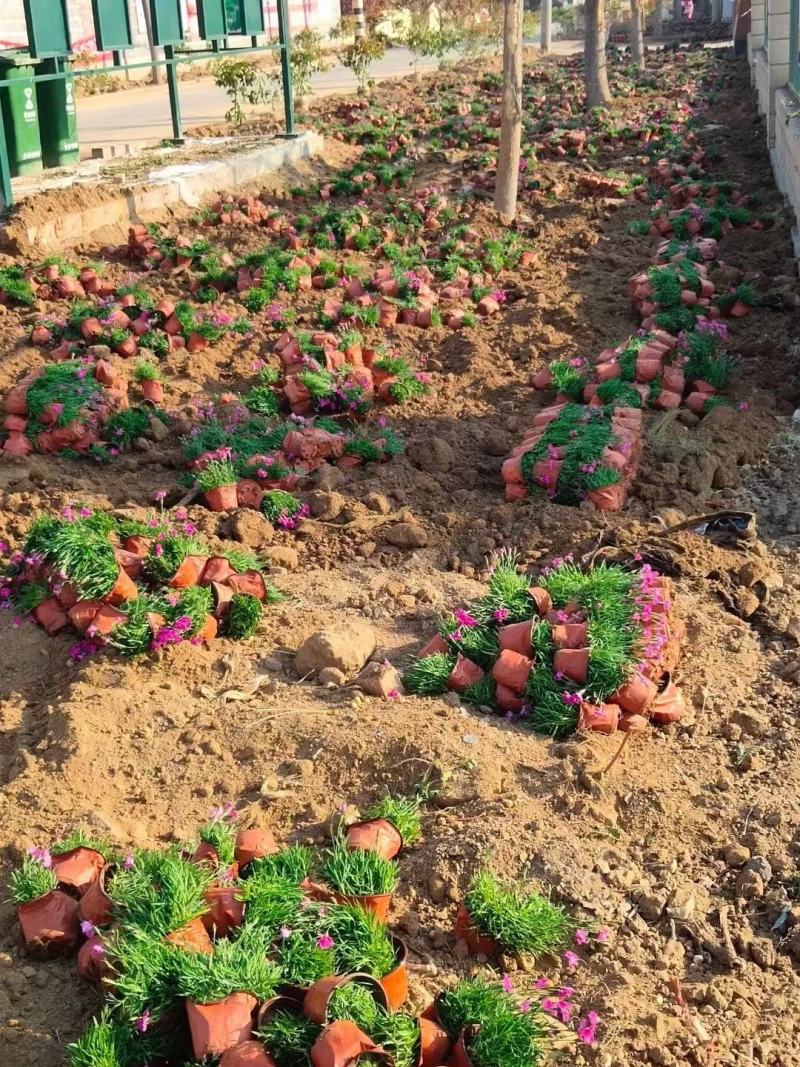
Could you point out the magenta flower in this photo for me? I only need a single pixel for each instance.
(524, 1006)
(507, 984)
(97, 951)
(159, 495)
(603, 934)
(87, 928)
(129, 862)
(463, 618)
(587, 1028)
(541, 983)
(393, 694)
(572, 698)
(325, 941)
(744, 406)
(142, 1024)
(286, 933)
(572, 959)
(501, 614)
(581, 937)
(41, 855)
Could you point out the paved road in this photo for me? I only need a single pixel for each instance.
(141, 117)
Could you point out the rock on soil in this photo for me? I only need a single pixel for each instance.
(346, 649)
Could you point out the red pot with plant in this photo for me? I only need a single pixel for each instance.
(570, 634)
(91, 962)
(222, 498)
(189, 572)
(636, 695)
(573, 663)
(542, 600)
(476, 942)
(315, 1002)
(214, 1028)
(464, 674)
(434, 1043)
(51, 615)
(669, 705)
(78, 868)
(217, 569)
(516, 636)
(250, 582)
(375, 835)
(95, 906)
(599, 718)
(342, 1044)
(436, 644)
(609, 498)
(123, 589)
(254, 844)
(512, 670)
(226, 910)
(193, 937)
(50, 924)
(247, 1054)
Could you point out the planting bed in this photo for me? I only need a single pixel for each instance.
(371, 336)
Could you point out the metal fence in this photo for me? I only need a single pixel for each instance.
(171, 62)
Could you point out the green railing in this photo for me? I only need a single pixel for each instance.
(171, 62)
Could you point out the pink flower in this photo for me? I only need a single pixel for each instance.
(507, 984)
(524, 1006)
(41, 855)
(159, 495)
(463, 618)
(541, 983)
(603, 934)
(572, 698)
(743, 406)
(550, 1006)
(286, 933)
(581, 937)
(129, 862)
(142, 1024)
(501, 614)
(587, 1028)
(393, 694)
(325, 941)
(572, 959)
(87, 928)
(97, 951)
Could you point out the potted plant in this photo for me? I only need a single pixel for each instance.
(48, 917)
(509, 916)
(387, 827)
(488, 1028)
(283, 509)
(218, 482)
(149, 376)
(222, 990)
(217, 849)
(360, 943)
(360, 877)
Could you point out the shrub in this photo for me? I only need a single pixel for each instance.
(517, 918)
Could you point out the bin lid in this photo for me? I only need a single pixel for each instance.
(16, 57)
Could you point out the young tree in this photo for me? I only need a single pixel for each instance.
(546, 28)
(658, 18)
(597, 90)
(637, 33)
(505, 190)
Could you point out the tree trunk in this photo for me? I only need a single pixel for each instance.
(156, 73)
(358, 15)
(637, 35)
(658, 18)
(505, 190)
(597, 90)
(546, 28)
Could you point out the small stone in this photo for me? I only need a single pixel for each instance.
(651, 906)
(406, 535)
(460, 950)
(380, 680)
(437, 888)
(368, 549)
(433, 455)
(332, 676)
(749, 885)
(761, 867)
(283, 556)
(251, 528)
(378, 502)
(682, 903)
(325, 505)
(158, 431)
(346, 648)
(736, 855)
(762, 952)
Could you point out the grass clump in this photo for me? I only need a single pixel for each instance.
(239, 965)
(517, 918)
(360, 941)
(358, 872)
(160, 893)
(288, 1037)
(32, 880)
(402, 813)
(428, 676)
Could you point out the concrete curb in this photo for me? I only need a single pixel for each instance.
(184, 183)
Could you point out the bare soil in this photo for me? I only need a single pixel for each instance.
(693, 973)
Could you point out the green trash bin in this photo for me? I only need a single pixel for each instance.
(57, 118)
(20, 112)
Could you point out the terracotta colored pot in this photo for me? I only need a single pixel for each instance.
(317, 891)
(215, 1028)
(95, 906)
(508, 700)
(573, 662)
(123, 589)
(92, 967)
(377, 904)
(570, 634)
(669, 706)
(222, 498)
(464, 674)
(51, 615)
(106, 619)
(153, 390)
(196, 343)
(226, 910)
(82, 614)
(79, 868)
(601, 719)
(636, 695)
(375, 835)
(476, 942)
(192, 937)
(247, 1054)
(50, 924)
(342, 1044)
(17, 444)
(281, 1002)
(512, 670)
(459, 1056)
(436, 644)
(217, 569)
(250, 582)
(315, 1002)
(189, 572)
(517, 637)
(434, 1043)
(543, 379)
(542, 600)
(209, 630)
(130, 562)
(395, 983)
(632, 724)
(609, 498)
(253, 845)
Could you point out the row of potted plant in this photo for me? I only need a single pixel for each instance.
(572, 649)
(134, 586)
(233, 947)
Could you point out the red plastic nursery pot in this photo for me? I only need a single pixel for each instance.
(512, 670)
(636, 696)
(250, 582)
(222, 497)
(226, 910)
(51, 615)
(375, 835)
(476, 942)
(217, 569)
(215, 1028)
(247, 1054)
(342, 1044)
(315, 1002)
(95, 905)
(79, 868)
(570, 634)
(92, 965)
(600, 719)
(460, 1057)
(609, 498)
(377, 904)
(395, 983)
(517, 637)
(153, 390)
(189, 572)
(464, 674)
(572, 662)
(508, 700)
(123, 589)
(542, 600)
(50, 924)
(434, 1043)
(253, 845)
(192, 937)
(669, 706)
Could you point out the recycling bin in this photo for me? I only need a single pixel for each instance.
(20, 111)
(57, 117)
